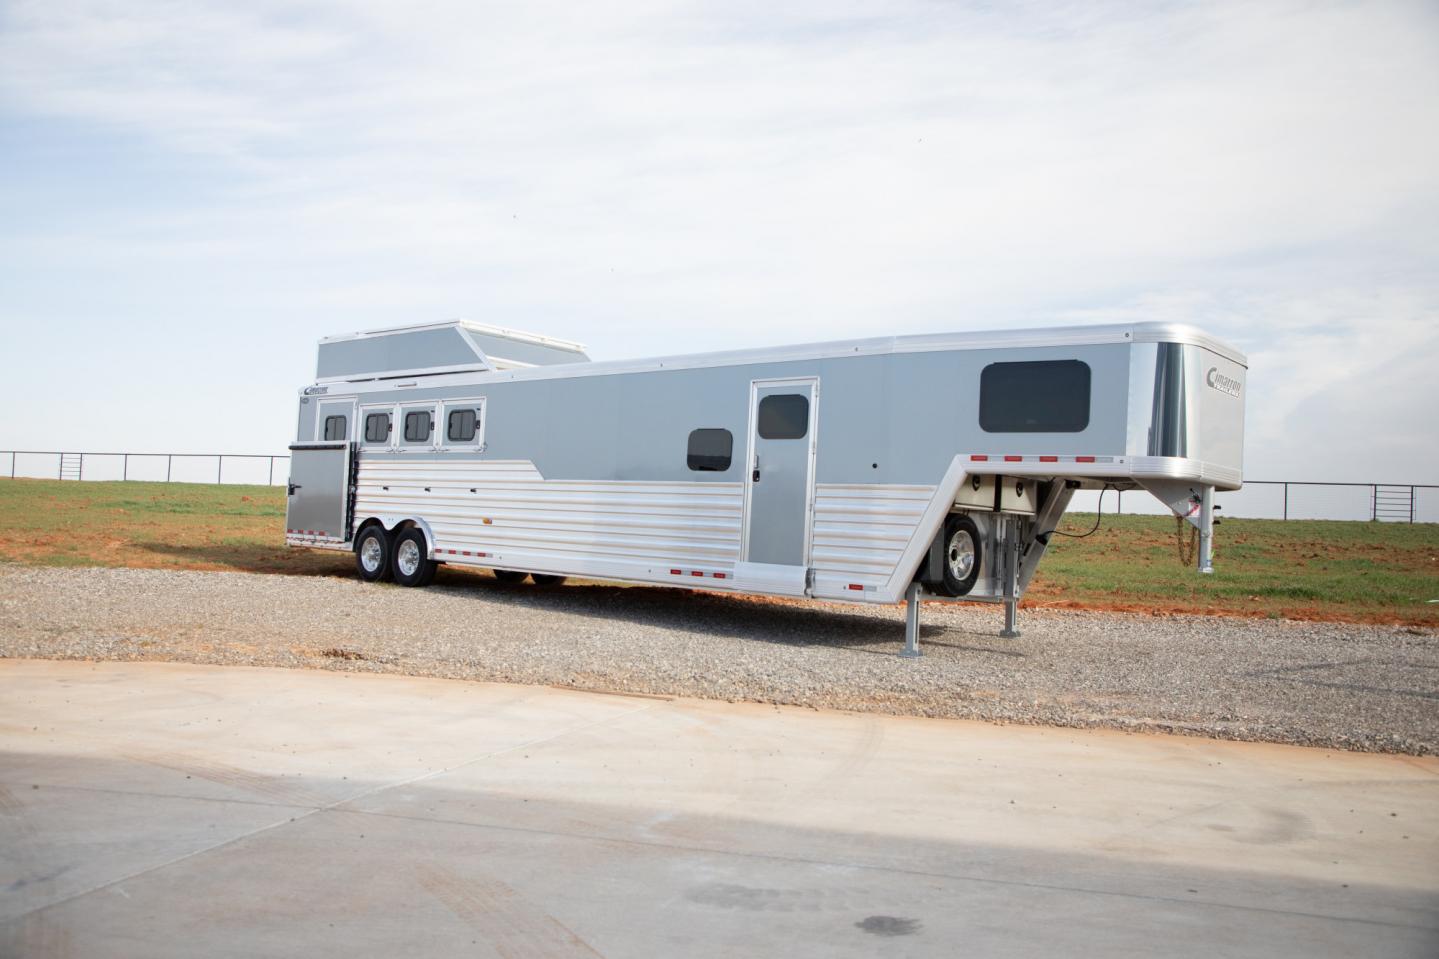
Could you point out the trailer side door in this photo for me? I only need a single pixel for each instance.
(318, 507)
(779, 483)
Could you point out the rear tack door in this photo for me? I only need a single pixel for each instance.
(319, 502)
(780, 482)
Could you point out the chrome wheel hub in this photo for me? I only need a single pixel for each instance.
(371, 553)
(408, 558)
(960, 554)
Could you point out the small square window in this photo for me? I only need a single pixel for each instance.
(710, 450)
(377, 428)
(336, 428)
(418, 426)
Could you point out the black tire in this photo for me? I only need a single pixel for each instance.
(409, 560)
(372, 554)
(963, 554)
(510, 577)
(547, 579)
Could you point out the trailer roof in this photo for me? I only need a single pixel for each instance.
(970, 340)
(454, 346)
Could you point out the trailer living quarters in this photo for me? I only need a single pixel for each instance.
(866, 471)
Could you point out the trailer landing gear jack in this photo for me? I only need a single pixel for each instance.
(915, 595)
(911, 621)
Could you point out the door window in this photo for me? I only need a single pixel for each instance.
(784, 416)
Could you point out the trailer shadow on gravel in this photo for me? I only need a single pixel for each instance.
(243, 557)
(868, 629)
(766, 619)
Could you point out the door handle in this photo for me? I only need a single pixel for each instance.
(293, 487)
(754, 477)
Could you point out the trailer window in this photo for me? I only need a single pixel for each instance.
(1043, 396)
(461, 428)
(336, 428)
(377, 428)
(784, 416)
(710, 450)
(418, 426)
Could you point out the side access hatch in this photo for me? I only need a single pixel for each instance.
(319, 507)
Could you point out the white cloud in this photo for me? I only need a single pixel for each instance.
(662, 177)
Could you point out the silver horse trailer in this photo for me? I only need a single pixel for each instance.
(867, 471)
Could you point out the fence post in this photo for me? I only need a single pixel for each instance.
(169, 459)
(219, 468)
(13, 456)
(1411, 506)
(82, 467)
(60, 472)
(125, 468)
(1286, 501)
(1119, 509)
(1374, 503)
(272, 471)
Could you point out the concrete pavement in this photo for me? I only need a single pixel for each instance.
(171, 810)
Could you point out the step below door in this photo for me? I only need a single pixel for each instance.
(318, 508)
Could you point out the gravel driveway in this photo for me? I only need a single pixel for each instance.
(1353, 687)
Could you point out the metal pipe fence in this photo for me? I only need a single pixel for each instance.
(257, 469)
(1294, 500)
(1259, 499)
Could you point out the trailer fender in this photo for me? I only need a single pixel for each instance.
(394, 524)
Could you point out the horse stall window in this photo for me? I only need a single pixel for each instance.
(710, 450)
(418, 426)
(336, 428)
(377, 428)
(1036, 396)
(461, 428)
(784, 416)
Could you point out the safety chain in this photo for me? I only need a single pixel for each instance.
(1186, 552)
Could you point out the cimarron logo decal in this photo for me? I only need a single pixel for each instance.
(1221, 382)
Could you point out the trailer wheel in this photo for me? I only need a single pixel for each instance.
(510, 577)
(962, 555)
(372, 554)
(547, 579)
(411, 566)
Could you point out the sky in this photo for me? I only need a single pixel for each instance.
(193, 193)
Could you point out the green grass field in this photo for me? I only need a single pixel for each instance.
(1364, 572)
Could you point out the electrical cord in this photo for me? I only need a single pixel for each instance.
(1098, 518)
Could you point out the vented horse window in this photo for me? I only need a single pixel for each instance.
(784, 416)
(710, 450)
(1037, 396)
(336, 428)
(377, 428)
(461, 428)
(418, 426)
